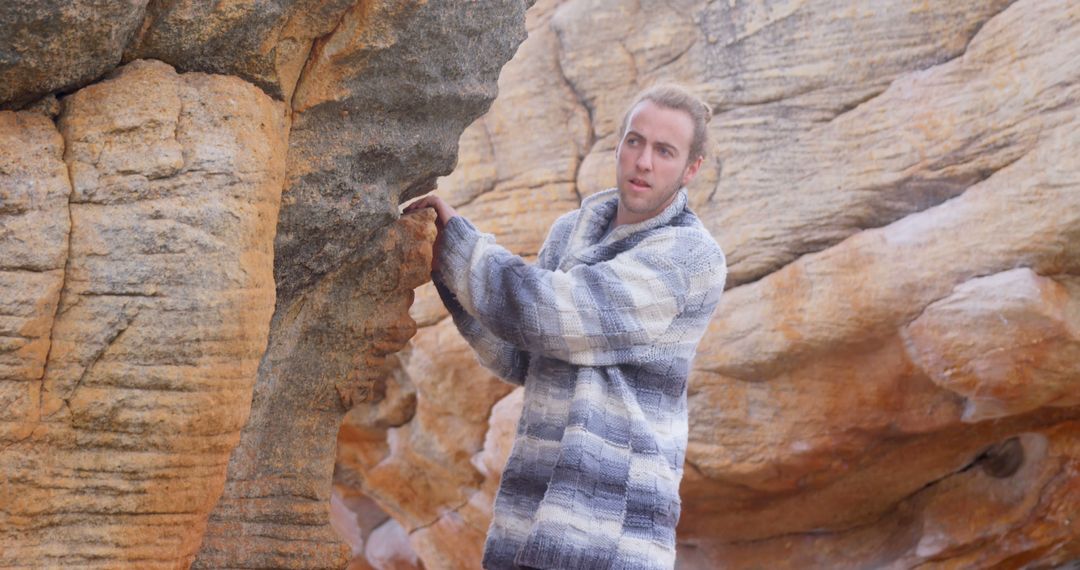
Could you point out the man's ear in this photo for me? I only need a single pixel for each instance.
(692, 170)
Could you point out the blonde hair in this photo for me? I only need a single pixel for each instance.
(679, 99)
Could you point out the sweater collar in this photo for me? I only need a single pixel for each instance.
(598, 211)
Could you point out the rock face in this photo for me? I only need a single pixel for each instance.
(280, 476)
(140, 229)
(376, 116)
(151, 268)
(57, 45)
(202, 271)
(265, 43)
(891, 378)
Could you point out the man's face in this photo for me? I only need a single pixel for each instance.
(652, 161)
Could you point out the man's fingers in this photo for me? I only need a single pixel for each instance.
(418, 205)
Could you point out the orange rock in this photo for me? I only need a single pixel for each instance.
(164, 313)
(34, 189)
(1019, 348)
(900, 219)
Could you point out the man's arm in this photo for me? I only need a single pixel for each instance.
(611, 312)
(495, 354)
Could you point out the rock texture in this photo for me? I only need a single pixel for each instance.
(149, 225)
(136, 333)
(890, 381)
(376, 116)
(274, 511)
(891, 378)
(265, 43)
(58, 45)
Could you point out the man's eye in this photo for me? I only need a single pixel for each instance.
(665, 152)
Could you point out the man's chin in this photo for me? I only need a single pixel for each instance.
(636, 207)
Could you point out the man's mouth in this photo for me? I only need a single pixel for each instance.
(639, 183)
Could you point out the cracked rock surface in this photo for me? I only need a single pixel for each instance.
(890, 380)
(202, 271)
(125, 394)
(202, 267)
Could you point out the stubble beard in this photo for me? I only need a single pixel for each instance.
(653, 207)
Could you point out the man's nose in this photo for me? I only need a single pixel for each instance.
(644, 160)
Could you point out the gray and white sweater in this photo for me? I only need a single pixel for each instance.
(601, 332)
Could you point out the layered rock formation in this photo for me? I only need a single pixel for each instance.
(202, 270)
(155, 413)
(148, 225)
(891, 378)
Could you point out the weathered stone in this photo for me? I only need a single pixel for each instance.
(388, 549)
(885, 170)
(378, 93)
(502, 177)
(925, 139)
(1026, 214)
(426, 459)
(968, 519)
(770, 71)
(59, 45)
(377, 115)
(892, 183)
(1018, 348)
(515, 165)
(34, 227)
(265, 43)
(274, 510)
(164, 313)
(820, 375)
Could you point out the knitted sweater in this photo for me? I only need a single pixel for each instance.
(601, 332)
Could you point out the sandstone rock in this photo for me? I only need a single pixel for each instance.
(781, 321)
(174, 184)
(806, 363)
(426, 460)
(377, 116)
(892, 181)
(925, 139)
(265, 43)
(34, 227)
(388, 549)
(58, 45)
(466, 525)
(978, 517)
(502, 176)
(517, 165)
(770, 71)
(164, 313)
(274, 510)
(881, 174)
(1017, 351)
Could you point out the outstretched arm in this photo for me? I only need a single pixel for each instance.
(500, 357)
(612, 312)
(495, 354)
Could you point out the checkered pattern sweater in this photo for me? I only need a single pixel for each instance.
(601, 332)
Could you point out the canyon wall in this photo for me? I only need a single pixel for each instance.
(201, 263)
(891, 379)
(203, 270)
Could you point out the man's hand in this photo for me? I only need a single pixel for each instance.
(443, 213)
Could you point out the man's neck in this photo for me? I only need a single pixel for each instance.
(624, 216)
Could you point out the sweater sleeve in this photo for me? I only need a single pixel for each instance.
(497, 355)
(609, 312)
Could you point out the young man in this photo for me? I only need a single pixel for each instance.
(601, 332)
